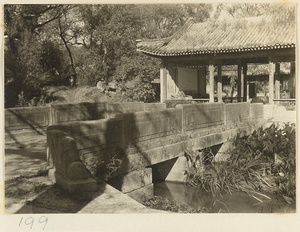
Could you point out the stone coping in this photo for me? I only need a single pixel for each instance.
(113, 201)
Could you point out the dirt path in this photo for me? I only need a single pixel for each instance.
(26, 156)
(29, 190)
(24, 160)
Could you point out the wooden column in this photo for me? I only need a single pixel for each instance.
(163, 84)
(211, 81)
(220, 91)
(239, 84)
(202, 81)
(245, 83)
(271, 81)
(292, 81)
(277, 80)
(176, 81)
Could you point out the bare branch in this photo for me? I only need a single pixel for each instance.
(44, 23)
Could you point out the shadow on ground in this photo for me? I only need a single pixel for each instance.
(27, 159)
(56, 200)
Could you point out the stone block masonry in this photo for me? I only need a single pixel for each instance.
(70, 173)
(119, 108)
(236, 114)
(132, 181)
(144, 126)
(202, 116)
(65, 113)
(28, 121)
(122, 147)
(155, 106)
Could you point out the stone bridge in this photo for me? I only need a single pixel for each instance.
(127, 148)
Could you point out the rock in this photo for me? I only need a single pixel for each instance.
(77, 171)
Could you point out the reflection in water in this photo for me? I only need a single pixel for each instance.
(238, 202)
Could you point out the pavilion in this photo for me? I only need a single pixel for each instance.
(192, 55)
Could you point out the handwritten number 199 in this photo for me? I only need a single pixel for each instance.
(30, 221)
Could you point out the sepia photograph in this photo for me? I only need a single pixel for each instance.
(181, 109)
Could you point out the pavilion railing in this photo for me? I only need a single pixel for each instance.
(285, 102)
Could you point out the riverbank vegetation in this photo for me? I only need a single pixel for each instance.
(263, 162)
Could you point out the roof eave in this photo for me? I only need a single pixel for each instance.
(157, 52)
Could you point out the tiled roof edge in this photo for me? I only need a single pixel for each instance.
(156, 52)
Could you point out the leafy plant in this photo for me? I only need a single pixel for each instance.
(262, 161)
(103, 168)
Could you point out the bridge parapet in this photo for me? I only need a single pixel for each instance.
(133, 141)
(26, 121)
(66, 113)
(142, 126)
(257, 111)
(201, 116)
(23, 118)
(237, 114)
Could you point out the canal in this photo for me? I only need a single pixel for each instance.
(237, 202)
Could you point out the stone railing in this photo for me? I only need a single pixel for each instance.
(132, 142)
(289, 104)
(29, 119)
(34, 120)
(70, 172)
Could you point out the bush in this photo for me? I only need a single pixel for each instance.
(262, 161)
(263, 100)
(174, 103)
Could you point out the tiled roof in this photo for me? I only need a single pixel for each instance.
(246, 34)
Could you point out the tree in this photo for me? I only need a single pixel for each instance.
(284, 11)
(135, 75)
(109, 33)
(163, 20)
(26, 52)
(64, 24)
(48, 44)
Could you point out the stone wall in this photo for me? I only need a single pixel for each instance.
(155, 106)
(236, 114)
(131, 142)
(256, 111)
(198, 116)
(34, 120)
(132, 138)
(125, 107)
(65, 113)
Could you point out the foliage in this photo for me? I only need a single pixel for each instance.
(174, 103)
(134, 76)
(163, 20)
(104, 167)
(49, 44)
(263, 100)
(109, 32)
(277, 10)
(262, 161)
(30, 61)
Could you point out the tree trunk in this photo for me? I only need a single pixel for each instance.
(73, 77)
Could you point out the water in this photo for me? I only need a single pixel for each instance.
(238, 202)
